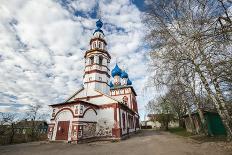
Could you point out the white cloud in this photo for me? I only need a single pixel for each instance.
(42, 45)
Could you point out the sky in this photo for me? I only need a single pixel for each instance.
(42, 46)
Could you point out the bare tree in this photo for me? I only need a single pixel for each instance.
(183, 38)
(7, 126)
(34, 115)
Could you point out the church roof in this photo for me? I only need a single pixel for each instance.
(116, 71)
(79, 90)
(124, 74)
(74, 102)
(99, 25)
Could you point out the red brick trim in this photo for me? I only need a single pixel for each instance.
(63, 110)
(99, 50)
(111, 105)
(88, 97)
(121, 94)
(73, 103)
(97, 81)
(89, 109)
(115, 115)
(83, 122)
(94, 39)
(98, 65)
(97, 71)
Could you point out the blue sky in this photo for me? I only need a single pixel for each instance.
(42, 44)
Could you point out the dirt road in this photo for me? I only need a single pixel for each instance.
(145, 143)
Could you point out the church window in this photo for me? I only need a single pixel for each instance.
(99, 44)
(91, 60)
(81, 109)
(125, 100)
(123, 121)
(76, 110)
(100, 60)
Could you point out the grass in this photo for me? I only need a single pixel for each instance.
(180, 131)
(200, 138)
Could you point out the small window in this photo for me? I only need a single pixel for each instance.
(81, 109)
(76, 110)
(91, 60)
(100, 78)
(100, 60)
(99, 44)
(90, 78)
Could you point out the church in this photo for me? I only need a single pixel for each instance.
(102, 109)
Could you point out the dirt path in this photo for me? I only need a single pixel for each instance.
(145, 143)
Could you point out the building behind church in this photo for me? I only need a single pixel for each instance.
(101, 109)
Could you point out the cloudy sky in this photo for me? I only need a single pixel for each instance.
(42, 44)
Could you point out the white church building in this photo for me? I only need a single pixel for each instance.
(101, 109)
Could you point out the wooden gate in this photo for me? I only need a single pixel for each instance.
(62, 130)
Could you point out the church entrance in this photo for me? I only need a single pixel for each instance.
(62, 130)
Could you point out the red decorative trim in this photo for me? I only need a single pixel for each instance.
(94, 39)
(122, 94)
(83, 122)
(115, 115)
(97, 71)
(97, 81)
(62, 110)
(98, 65)
(89, 109)
(111, 105)
(99, 50)
(74, 103)
(116, 88)
(88, 97)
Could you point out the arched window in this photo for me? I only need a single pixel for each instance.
(91, 60)
(123, 121)
(100, 60)
(125, 100)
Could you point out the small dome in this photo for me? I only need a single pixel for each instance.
(111, 84)
(116, 71)
(99, 24)
(124, 74)
(129, 82)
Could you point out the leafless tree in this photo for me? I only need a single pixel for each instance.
(34, 115)
(184, 41)
(7, 126)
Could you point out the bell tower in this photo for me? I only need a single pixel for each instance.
(97, 61)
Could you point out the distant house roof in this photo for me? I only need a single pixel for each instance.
(26, 123)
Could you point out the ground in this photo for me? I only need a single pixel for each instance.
(147, 142)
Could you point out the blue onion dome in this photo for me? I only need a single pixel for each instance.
(99, 25)
(111, 84)
(129, 82)
(124, 74)
(116, 71)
